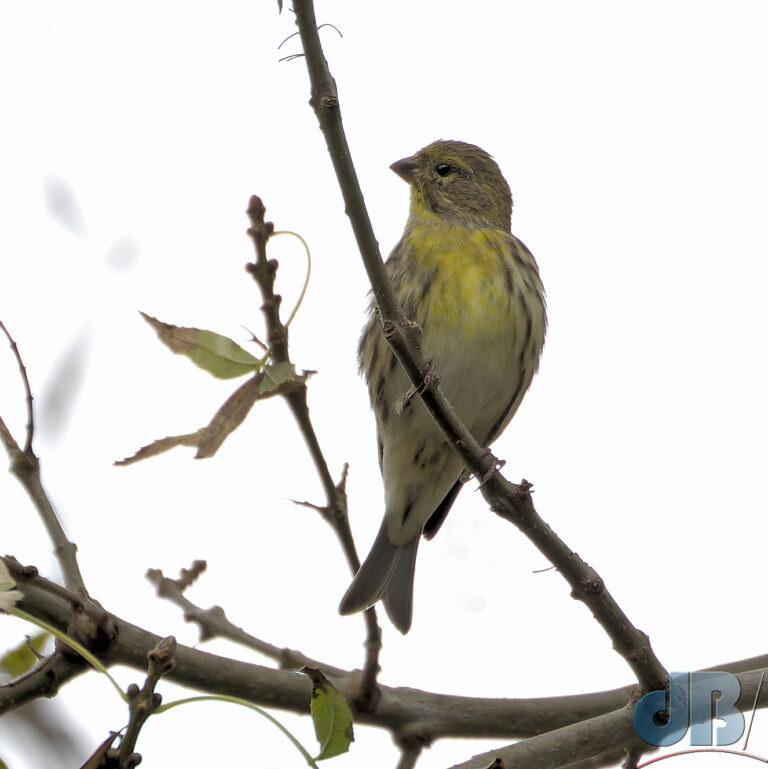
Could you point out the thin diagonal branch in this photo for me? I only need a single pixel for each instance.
(30, 430)
(26, 467)
(213, 623)
(335, 512)
(143, 702)
(511, 501)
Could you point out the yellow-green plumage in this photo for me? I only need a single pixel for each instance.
(474, 290)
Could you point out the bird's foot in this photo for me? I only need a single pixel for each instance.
(496, 464)
(429, 381)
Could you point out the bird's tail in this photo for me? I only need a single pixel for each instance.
(386, 574)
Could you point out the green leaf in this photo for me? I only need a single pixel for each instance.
(277, 374)
(18, 661)
(212, 352)
(331, 716)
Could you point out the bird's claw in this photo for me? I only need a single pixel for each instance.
(496, 464)
(429, 381)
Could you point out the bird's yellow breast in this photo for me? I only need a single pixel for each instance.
(468, 273)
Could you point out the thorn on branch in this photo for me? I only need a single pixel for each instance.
(312, 506)
(35, 653)
(342, 484)
(256, 339)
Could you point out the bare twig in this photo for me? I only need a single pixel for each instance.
(213, 623)
(26, 467)
(143, 702)
(335, 511)
(30, 431)
(511, 501)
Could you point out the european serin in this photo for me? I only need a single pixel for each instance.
(474, 289)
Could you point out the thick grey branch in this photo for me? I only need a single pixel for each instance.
(610, 732)
(406, 712)
(597, 741)
(410, 714)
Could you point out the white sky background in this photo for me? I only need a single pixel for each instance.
(633, 136)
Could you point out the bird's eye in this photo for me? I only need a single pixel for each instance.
(443, 169)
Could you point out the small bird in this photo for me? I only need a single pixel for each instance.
(474, 289)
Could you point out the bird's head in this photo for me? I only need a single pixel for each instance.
(458, 183)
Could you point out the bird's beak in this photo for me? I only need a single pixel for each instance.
(405, 169)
